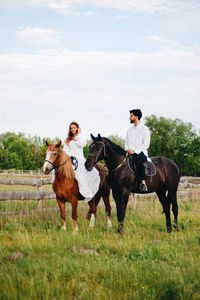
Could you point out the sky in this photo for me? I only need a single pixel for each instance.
(91, 61)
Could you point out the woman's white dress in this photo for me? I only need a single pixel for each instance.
(88, 182)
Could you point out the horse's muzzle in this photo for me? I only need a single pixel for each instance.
(46, 170)
(88, 166)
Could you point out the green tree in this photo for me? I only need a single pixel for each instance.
(177, 140)
(86, 149)
(117, 140)
(16, 152)
(191, 158)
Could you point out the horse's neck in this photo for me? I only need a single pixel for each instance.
(65, 167)
(113, 158)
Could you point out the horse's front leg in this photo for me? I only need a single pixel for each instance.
(74, 204)
(91, 215)
(172, 197)
(121, 200)
(62, 213)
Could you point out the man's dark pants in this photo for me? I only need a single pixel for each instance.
(138, 160)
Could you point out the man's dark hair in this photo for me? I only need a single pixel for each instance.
(136, 112)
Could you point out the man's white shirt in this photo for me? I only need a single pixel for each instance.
(138, 138)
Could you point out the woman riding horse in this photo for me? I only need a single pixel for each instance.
(88, 182)
(66, 187)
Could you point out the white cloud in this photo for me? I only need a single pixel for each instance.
(40, 93)
(67, 6)
(39, 35)
(161, 39)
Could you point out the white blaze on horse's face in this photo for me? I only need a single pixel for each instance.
(47, 166)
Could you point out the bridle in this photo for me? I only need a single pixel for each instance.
(56, 167)
(97, 155)
(104, 154)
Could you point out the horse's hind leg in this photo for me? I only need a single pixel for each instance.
(62, 213)
(106, 201)
(166, 208)
(105, 195)
(74, 203)
(172, 196)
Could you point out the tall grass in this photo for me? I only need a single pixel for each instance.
(39, 261)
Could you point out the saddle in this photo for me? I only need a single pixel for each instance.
(149, 167)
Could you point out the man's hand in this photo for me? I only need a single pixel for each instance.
(130, 151)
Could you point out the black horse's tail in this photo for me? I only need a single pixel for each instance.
(173, 175)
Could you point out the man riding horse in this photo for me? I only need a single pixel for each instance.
(136, 144)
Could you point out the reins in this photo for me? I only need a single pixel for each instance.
(56, 167)
(104, 154)
(119, 166)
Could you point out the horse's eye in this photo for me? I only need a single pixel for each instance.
(54, 154)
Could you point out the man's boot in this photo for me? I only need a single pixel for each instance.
(143, 186)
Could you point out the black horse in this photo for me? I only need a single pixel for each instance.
(123, 180)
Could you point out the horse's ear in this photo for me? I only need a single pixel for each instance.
(92, 136)
(47, 143)
(99, 136)
(59, 144)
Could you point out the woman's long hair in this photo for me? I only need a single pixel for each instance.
(70, 134)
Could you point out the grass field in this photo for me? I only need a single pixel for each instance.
(39, 261)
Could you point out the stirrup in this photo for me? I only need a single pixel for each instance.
(143, 187)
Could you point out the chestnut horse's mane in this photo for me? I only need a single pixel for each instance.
(65, 165)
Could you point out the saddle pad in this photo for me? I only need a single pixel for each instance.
(149, 168)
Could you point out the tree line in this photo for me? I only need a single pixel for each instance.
(171, 138)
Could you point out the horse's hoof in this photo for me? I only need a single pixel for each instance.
(109, 224)
(92, 221)
(169, 229)
(175, 227)
(88, 216)
(120, 232)
(75, 231)
(120, 229)
(90, 226)
(75, 227)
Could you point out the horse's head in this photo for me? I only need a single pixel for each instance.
(51, 159)
(96, 152)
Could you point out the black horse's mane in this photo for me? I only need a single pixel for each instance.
(116, 147)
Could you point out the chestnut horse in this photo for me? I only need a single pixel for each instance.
(66, 188)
